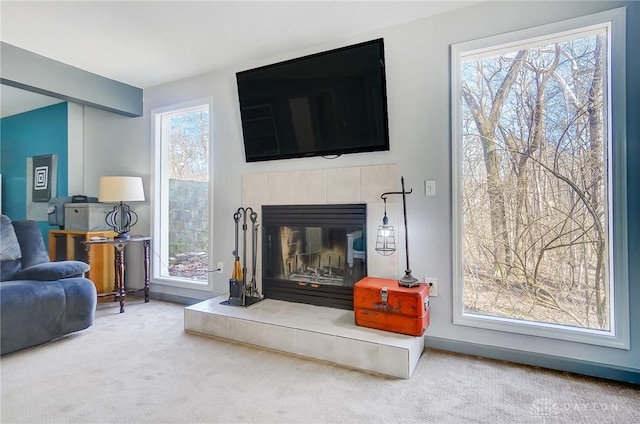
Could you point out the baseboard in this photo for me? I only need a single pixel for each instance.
(174, 299)
(593, 369)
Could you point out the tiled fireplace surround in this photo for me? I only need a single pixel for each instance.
(322, 333)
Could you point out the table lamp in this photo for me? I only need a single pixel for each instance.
(121, 189)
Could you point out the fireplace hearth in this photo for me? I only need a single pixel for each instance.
(313, 253)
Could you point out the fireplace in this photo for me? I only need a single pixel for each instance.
(313, 253)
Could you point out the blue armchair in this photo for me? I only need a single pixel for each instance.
(39, 300)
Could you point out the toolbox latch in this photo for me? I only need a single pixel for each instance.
(384, 294)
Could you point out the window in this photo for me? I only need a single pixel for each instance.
(539, 183)
(182, 198)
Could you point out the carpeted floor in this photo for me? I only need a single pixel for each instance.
(141, 366)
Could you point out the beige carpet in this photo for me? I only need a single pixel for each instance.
(141, 366)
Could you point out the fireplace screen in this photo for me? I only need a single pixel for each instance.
(313, 253)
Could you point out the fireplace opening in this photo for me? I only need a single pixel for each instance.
(313, 253)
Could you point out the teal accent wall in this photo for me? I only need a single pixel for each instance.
(39, 132)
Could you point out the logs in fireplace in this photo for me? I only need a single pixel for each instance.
(313, 253)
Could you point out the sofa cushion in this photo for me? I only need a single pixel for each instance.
(10, 252)
(33, 312)
(9, 268)
(9, 246)
(49, 271)
(29, 236)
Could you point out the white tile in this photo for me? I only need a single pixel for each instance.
(334, 323)
(249, 313)
(270, 305)
(266, 335)
(193, 320)
(255, 189)
(315, 345)
(201, 306)
(357, 353)
(378, 179)
(394, 361)
(215, 325)
(415, 351)
(385, 267)
(282, 188)
(343, 185)
(311, 187)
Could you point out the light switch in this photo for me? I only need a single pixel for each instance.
(430, 187)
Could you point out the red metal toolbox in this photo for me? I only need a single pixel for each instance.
(383, 304)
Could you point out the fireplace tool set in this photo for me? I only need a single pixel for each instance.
(241, 292)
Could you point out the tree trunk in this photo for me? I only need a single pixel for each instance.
(487, 127)
(597, 177)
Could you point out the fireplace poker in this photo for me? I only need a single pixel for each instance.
(244, 250)
(253, 289)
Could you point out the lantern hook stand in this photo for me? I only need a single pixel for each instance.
(408, 280)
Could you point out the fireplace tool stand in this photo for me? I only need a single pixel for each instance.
(242, 293)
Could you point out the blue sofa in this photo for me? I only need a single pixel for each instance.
(39, 300)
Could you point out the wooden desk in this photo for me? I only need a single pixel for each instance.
(119, 287)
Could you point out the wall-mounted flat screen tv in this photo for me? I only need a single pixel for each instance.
(324, 104)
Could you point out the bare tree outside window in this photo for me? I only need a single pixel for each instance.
(189, 146)
(186, 139)
(534, 182)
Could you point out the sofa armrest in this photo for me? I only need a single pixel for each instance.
(49, 271)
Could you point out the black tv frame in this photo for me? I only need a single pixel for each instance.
(260, 124)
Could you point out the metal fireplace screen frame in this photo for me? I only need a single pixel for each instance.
(341, 225)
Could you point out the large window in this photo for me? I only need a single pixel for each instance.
(540, 183)
(182, 194)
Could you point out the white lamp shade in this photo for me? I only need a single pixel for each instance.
(121, 189)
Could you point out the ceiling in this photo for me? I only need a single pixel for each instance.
(148, 43)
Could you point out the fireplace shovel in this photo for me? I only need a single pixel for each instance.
(252, 290)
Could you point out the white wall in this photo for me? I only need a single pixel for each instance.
(75, 148)
(417, 66)
(118, 145)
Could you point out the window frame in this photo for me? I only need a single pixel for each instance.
(159, 191)
(618, 335)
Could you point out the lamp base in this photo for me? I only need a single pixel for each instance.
(408, 280)
(121, 219)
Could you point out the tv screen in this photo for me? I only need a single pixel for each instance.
(324, 104)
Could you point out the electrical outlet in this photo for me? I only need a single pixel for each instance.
(220, 267)
(433, 286)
